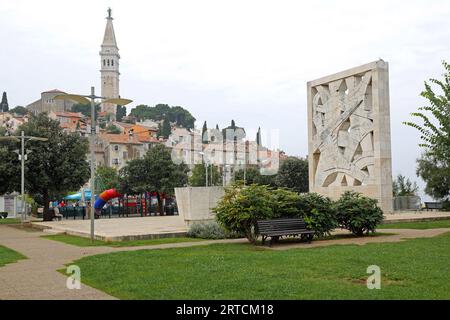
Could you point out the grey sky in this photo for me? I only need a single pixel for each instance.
(246, 60)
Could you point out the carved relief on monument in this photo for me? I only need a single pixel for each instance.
(343, 132)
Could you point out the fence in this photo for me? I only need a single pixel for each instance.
(407, 203)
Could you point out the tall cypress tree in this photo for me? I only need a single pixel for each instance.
(205, 133)
(166, 130)
(258, 137)
(4, 107)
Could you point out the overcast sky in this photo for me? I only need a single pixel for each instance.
(223, 60)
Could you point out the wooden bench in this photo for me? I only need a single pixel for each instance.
(283, 227)
(433, 206)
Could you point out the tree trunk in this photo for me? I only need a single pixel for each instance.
(46, 214)
(158, 197)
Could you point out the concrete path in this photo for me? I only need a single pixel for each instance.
(411, 216)
(397, 236)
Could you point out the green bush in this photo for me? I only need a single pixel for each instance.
(358, 213)
(318, 212)
(242, 206)
(446, 205)
(210, 230)
(284, 203)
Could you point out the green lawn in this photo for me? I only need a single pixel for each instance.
(9, 221)
(417, 225)
(9, 256)
(85, 242)
(413, 269)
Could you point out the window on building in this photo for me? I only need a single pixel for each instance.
(108, 62)
(116, 148)
(112, 63)
(104, 62)
(125, 155)
(115, 161)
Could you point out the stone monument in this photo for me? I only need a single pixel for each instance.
(349, 138)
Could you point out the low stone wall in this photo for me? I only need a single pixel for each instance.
(195, 203)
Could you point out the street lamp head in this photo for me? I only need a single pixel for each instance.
(74, 97)
(118, 101)
(38, 139)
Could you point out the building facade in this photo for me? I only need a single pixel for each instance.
(48, 103)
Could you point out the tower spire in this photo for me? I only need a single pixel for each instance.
(110, 57)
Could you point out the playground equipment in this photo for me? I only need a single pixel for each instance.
(104, 197)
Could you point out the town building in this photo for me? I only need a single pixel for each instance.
(48, 103)
(69, 121)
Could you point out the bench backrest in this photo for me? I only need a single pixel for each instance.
(433, 205)
(265, 226)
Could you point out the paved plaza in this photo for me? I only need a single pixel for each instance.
(118, 229)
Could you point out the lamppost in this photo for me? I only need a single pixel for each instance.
(206, 167)
(22, 157)
(83, 99)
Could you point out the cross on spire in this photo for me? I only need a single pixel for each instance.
(109, 13)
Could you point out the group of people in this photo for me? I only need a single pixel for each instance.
(56, 205)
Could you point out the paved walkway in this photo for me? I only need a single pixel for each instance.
(409, 216)
(397, 236)
(37, 278)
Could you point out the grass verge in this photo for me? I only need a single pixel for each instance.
(85, 242)
(422, 225)
(9, 256)
(9, 221)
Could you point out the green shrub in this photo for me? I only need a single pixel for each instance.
(318, 212)
(242, 206)
(358, 213)
(446, 205)
(284, 203)
(210, 230)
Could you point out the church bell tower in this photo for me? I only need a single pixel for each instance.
(109, 55)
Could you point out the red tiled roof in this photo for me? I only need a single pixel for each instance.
(68, 114)
(118, 138)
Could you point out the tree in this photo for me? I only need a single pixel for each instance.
(198, 177)
(111, 128)
(121, 112)
(253, 176)
(293, 174)
(155, 172)
(166, 129)
(85, 109)
(434, 130)
(205, 133)
(436, 174)
(258, 137)
(53, 167)
(4, 107)
(19, 110)
(402, 186)
(106, 178)
(179, 115)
